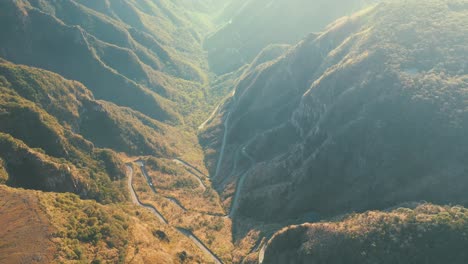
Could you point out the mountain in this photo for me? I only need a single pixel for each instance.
(55, 137)
(425, 234)
(253, 25)
(38, 152)
(366, 115)
(87, 89)
(46, 118)
(114, 48)
(204, 131)
(61, 228)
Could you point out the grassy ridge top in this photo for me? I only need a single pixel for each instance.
(425, 234)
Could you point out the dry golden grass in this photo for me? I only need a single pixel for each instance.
(145, 247)
(193, 192)
(26, 232)
(35, 226)
(214, 231)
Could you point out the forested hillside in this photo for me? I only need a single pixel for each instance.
(369, 114)
(425, 234)
(224, 131)
(146, 55)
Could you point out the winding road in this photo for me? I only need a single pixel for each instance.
(153, 188)
(200, 244)
(210, 117)
(163, 220)
(240, 183)
(223, 145)
(235, 201)
(137, 201)
(190, 169)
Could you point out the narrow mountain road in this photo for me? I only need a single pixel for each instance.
(223, 145)
(153, 188)
(240, 183)
(261, 247)
(225, 135)
(184, 232)
(202, 126)
(200, 244)
(137, 201)
(261, 253)
(190, 169)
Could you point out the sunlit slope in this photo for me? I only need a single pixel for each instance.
(145, 55)
(53, 129)
(61, 228)
(253, 25)
(424, 234)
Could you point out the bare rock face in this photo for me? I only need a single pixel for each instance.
(364, 116)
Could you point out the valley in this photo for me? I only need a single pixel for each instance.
(144, 131)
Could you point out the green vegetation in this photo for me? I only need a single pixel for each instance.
(163, 166)
(366, 114)
(3, 172)
(426, 234)
(145, 55)
(171, 176)
(363, 116)
(40, 151)
(104, 124)
(186, 183)
(43, 110)
(32, 169)
(85, 227)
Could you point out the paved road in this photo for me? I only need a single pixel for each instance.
(261, 253)
(223, 145)
(137, 201)
(240, 183)
(200, 244)
(190, 169)
(210, 117)
(184, 232)
(153, 188)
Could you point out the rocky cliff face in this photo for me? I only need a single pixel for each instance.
(366, 115)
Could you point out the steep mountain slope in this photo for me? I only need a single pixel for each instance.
(141, 54)
(52, 130)
(371, 113)
(425, 234)
(38, 153)
(253, 25)
(103, 123)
